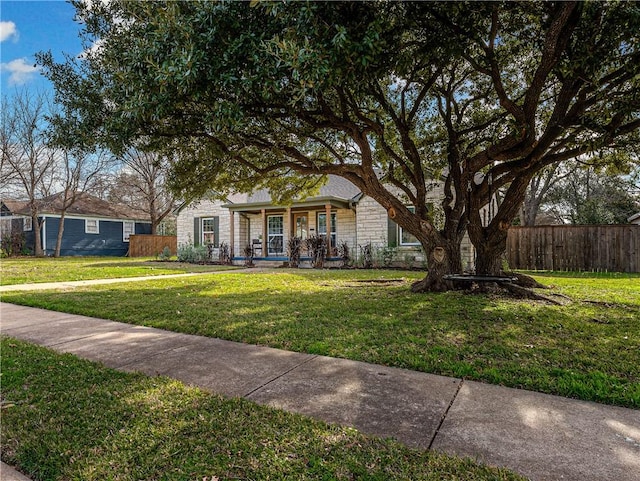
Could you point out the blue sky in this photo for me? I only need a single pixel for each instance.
(27, 27)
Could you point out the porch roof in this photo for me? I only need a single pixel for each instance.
(319, 202)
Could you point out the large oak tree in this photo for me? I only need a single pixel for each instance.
(397, 97)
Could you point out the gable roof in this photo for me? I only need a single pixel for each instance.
(337, 191)
(336, 187)
(11, 207)
(85, 205)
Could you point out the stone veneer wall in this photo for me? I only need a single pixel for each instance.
(203, 208)
(346, 228)
(372, 226)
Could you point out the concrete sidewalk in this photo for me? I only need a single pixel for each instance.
(540, 436)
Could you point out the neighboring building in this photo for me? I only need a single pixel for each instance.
(92, 227)
(10, 223)
(634, 219)
(253, 220)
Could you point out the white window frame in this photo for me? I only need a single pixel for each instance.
(126, 233)
(27, 224)
(91, 230)
(209, 222)
(401, 233)
(333, 227)
(273, 235)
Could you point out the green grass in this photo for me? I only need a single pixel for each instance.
(588, 349)
(65, 418)
(32, 270)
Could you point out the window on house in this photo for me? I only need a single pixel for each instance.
(128, 229)
(27, 224)
(322, 227)
(406, 238)
(275, 235)
(301, 223)
(91, 226)
(208, 231)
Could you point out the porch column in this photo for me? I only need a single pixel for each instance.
(232, 238)
(264, 233)
(290, 230)
(327, 209)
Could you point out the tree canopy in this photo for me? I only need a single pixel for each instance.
(397, 97)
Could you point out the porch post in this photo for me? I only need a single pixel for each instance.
(232, 239)
(291, 230)
(264, 233)
(327, 209)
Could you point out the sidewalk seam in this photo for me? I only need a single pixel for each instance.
(444, 416)
(246, 396)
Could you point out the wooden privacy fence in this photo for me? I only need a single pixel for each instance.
(613, 248)
(145, 245)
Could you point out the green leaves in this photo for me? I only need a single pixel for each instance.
(265, 92)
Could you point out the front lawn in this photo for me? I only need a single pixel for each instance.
(588, 349)
(65, 418)
(27, 270)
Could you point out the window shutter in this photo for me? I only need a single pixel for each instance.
(196, 231)
(216, 232)
(392, 233)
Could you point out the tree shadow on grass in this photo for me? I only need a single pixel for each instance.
(82, 421)
(515, 343)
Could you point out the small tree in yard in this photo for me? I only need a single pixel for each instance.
(393, 96)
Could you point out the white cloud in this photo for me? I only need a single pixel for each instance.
(8, 30)
(94, 49)
(21, 71)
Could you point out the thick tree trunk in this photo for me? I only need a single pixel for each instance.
(489, 258)
(491, 244)
(442, 259)
(490, 241)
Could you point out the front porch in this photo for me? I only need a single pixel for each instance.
(262, 231)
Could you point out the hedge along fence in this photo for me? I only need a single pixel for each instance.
(146, 245)
(614, 248)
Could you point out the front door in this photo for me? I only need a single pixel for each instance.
(275, 235)
(301, 223)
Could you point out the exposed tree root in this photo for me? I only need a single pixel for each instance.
(520, 286)
(427, 285)
(526, 293)
(524, 280)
